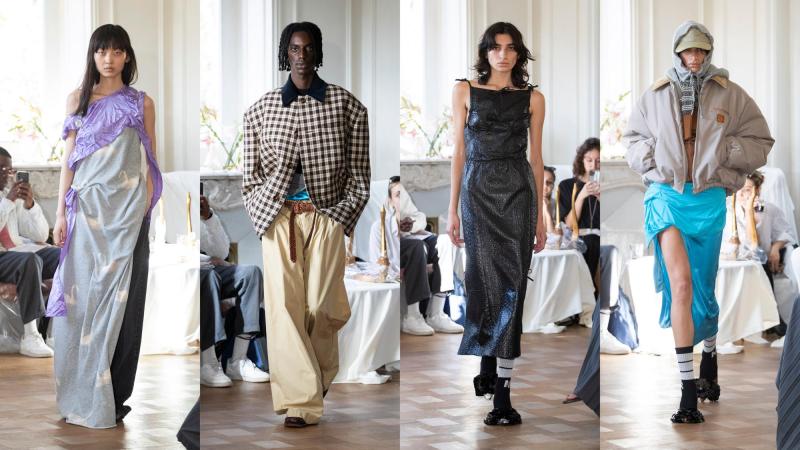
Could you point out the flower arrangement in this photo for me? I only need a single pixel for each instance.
(28, 125)
(412, 128)
(209, 122)
(614, 121)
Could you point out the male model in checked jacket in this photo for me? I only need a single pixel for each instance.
(306, 181)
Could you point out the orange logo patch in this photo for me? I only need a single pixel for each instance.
(720, 118)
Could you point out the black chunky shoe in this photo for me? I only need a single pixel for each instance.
(687, 416)
(484, 385)
(707, 390)
(503, 417)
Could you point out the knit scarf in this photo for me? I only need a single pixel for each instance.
(690, 92)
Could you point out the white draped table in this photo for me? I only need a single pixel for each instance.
(745, 298)
(562, 284)
(172, 308)
(371, 338)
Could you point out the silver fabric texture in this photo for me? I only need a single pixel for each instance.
(111, 192)
(498, 207)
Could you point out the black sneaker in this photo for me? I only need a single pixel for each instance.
(484, 385)
(707, 389)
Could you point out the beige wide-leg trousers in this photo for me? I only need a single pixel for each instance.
(306, 305)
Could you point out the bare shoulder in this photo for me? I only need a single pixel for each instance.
(461, 88)
(73, 99)
(149, 104)
(537, 103)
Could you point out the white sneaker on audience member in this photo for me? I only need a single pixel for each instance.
(778, 343)
(33, 345)
(416, 325)
(442, 323)
(729, 349)
(610, 345)
(211, 375)
(551, 328)
(246, 370)
(373, 378)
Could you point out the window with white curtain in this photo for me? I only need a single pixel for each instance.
(433, 52)
(236, 69)
(615, 75)
(30, 120)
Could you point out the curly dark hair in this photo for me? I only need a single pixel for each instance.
(519, 73)
(313, 32)
(593, 143)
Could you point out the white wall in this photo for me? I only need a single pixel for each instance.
(758, 41)
(164, 35)
(360, 41)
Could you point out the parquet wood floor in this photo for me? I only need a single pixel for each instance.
(166, 389)
(439, 409)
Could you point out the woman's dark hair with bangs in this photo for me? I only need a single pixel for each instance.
(105, 37)
(519, 73)
(578, 169)
(286, 35)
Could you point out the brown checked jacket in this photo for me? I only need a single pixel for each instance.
(331, 140)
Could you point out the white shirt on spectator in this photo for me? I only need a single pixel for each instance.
(771, 225)
(25, 226)
(214, 241)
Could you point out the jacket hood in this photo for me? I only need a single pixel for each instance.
(679, 72)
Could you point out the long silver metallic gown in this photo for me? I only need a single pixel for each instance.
(498, 208)
(110, 189)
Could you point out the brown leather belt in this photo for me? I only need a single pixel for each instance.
(295, 208)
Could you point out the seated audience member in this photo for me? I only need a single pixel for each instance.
(587, 202)
(772, 228)
(548, 203)
(22, 223)
(219, 280)
(419, 263)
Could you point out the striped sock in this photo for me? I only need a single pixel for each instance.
(686, 368)
(710, 344)
(504, 367)
(708, 362)
(502, 389)
(685, 362)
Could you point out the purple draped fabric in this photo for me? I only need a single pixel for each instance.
(104, 121)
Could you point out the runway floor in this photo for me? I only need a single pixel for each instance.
(356, 417)
(439, 409)
(641, 391)
(166, 389)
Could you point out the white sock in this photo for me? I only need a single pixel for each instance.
(504, 367)
(605, 316)
(240, 347)
(208, 357)
(685, 363)
(30, 329)
(436, 305)
(710, 344)
(413, 311)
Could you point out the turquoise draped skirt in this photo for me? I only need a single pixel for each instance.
(701, 219)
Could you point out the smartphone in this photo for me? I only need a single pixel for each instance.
(595, 176)
(23, 177)
(201, 188)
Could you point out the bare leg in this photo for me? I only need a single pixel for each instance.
(680, 282)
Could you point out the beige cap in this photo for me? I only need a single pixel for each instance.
(693, 39)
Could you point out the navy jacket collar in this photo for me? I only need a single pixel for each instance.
(289, 91)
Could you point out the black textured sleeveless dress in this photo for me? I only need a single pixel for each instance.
(498, 209)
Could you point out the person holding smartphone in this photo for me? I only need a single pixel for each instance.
(22, 222)
(586, 176)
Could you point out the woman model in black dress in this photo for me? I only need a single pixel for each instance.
(500, 193)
